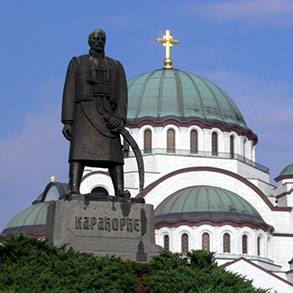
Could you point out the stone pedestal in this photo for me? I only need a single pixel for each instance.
(116, 228)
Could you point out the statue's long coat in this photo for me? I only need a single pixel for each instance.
(94, 88)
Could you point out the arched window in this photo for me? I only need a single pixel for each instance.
(226, 243)
(166, 242)
(171, 141)
(184, 242)
(214, 143)
(147, 142)
(259, 245)
(244, 148)
(125, 148)
(206, 241)
(244, 244)
(232, 146)
(253, 152)
(193, 141)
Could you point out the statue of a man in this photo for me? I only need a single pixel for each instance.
(94, 110)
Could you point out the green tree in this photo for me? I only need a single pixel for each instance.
(32, 265)
(194, 271)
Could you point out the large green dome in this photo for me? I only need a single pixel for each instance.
(207, 204)
(174, 93)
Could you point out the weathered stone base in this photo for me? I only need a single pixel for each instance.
(123, 229)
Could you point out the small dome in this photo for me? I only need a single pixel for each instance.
(31, 221)
(207, 204)
(173, 93)
(287, 171)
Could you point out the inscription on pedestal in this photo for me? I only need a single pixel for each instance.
(115, 228)
(118, 221)
(107, 224)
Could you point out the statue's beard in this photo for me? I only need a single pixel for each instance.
(97, 53)
(98, 49)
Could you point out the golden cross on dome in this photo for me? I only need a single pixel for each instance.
(52, 178)
(168, 42)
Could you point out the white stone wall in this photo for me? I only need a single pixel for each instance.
(95, 180)
(183, 180)
(284, 186)
(157, 165)
(281, 221)
(285, 189)
(264, 186)
(260, 278)
(282, 250)
(279, 249)
(282, 201)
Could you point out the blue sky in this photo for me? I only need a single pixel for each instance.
(243, 46)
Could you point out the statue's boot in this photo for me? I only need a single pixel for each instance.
(117, 176)
(75, 174)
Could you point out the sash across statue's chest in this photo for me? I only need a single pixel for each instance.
(99, 77)
(98, 100)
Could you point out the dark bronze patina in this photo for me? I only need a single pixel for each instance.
(94, 113)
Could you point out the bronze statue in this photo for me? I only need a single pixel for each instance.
(94, 112)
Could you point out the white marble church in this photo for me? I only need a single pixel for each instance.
(201, 176)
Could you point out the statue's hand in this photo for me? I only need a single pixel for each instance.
(67, 129)
(115, 124)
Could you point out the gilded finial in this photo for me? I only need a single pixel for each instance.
(168, 42)
(52, 178)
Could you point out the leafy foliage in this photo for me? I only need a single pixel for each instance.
(195, 271)
(32, 265)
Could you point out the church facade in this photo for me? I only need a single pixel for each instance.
(201, 176)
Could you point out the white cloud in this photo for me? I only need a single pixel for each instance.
(256, 11)
(36, 152)
(284, 115)
(38, 130)
(260, 99)
(28, 159)
(279, 116)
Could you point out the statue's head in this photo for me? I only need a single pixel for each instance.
(97, 40)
